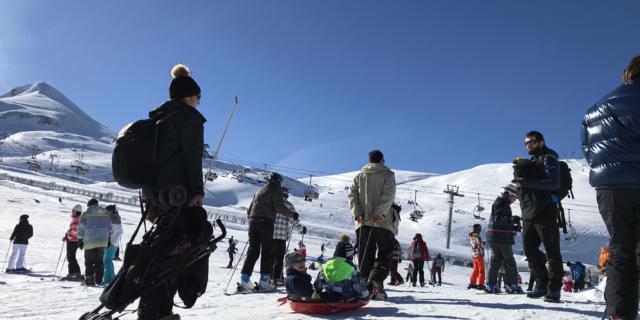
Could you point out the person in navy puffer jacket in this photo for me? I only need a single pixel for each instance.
(611, 146)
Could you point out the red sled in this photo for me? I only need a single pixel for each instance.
(318, 307)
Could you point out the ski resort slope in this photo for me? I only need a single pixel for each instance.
(39, 296)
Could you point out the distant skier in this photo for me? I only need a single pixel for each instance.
(71, 237)
(409, 269)
(22, 232)
(477, 249)
(418, 254)
(232, 251)
(500, 236)
(437, 267)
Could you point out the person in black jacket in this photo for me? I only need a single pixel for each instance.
(611, 146)
(20, 237)
(538, 204)
(298, 281)
(180, 146)
(500, 236)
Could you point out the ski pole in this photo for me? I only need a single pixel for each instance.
(236, 267)
(6, 256)
(59, 257)
(290, 236)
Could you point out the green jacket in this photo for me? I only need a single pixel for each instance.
(372, 193)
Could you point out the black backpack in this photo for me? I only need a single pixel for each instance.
(133, 161)
(566, 182)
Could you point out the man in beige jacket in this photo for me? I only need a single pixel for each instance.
(370, 198)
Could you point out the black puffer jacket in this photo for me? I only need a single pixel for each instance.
(22, 232)
(611, 139)
(180, 146)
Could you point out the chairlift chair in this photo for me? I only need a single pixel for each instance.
(478, 209)
(211, 175)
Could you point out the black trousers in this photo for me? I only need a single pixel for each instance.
(375, 248)
(260, 241)
(418, 268)
(93, 264)
(279, 248)
(72, 248)
(158, 302)
(620, 210)
(438, 271)
(543, 229)
(231, 253)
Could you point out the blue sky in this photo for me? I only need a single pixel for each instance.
(438, 86)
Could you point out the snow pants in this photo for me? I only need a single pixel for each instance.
(502, 253)
(16, 261)
(543, 229)
(396, 278)
(477, 275)
(375, 248)
(260, 241)
(109, 273)
(72, 248)
(620, 210)
(434, 271)
(93, 264)
(418, 268)
(279, 248)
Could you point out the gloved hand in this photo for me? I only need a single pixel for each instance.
(296, 216)
(315, 296)
(64, 238)
(80, 244)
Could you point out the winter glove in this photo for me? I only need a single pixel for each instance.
(80, 244)
(315, 295)
(296, 216)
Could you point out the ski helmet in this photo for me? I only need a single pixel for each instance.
(477, 227)
(275, 178)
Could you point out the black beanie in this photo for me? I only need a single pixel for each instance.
(182, 84)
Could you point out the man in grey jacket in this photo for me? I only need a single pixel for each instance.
(370, 198)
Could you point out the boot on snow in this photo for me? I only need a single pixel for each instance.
(514, 289)
(492, 288)
(537, 293)
(552, 296)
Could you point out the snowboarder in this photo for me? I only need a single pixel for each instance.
(437, 268)
(20, 236)
(93, 238)
(115, 233)
(71, 237)
(418, 254)
(232, 250)
(539, 206)
(262, 213)
(370, 198)
(610, 143)
(396, 258)
(477, 249)
(500, 236)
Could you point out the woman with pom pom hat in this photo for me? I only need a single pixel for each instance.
(180, 144)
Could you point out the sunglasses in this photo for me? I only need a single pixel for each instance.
(532, 141)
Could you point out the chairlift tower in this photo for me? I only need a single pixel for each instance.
(52, 156)
(452, 191)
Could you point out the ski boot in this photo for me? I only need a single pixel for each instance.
(537, 293)
(514, 289)
(413, 284)
(472, 286)
(264, 286)
(378, 294)
(245, 287)
(552, 296)
(482, 287)
(422, 284)
(10, 270)
(492, 289)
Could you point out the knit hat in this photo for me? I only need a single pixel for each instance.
(344, 250)
(77, 208)
(293, 258)
(510, 190)
(24, 217)
(182, 84)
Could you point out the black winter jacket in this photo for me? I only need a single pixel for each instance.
(611, 139)
(539, 184)
(180, 146)
(500, 230)
(298, 284)
(21, 233)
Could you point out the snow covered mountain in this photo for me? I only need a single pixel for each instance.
(40, 107)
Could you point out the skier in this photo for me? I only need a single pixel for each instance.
(409, 269)
(93, 238)
(20, 236)
(578, 271)
(500, 236)
(477, 249)
(396, 258)
(610, 143)
(370, 198)
(262, 213)
(115, 233)
(232, 251)
(437, 268)
(71, 237)
(418, 254)
(322, 248)
(281, 234)
(539, 206)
